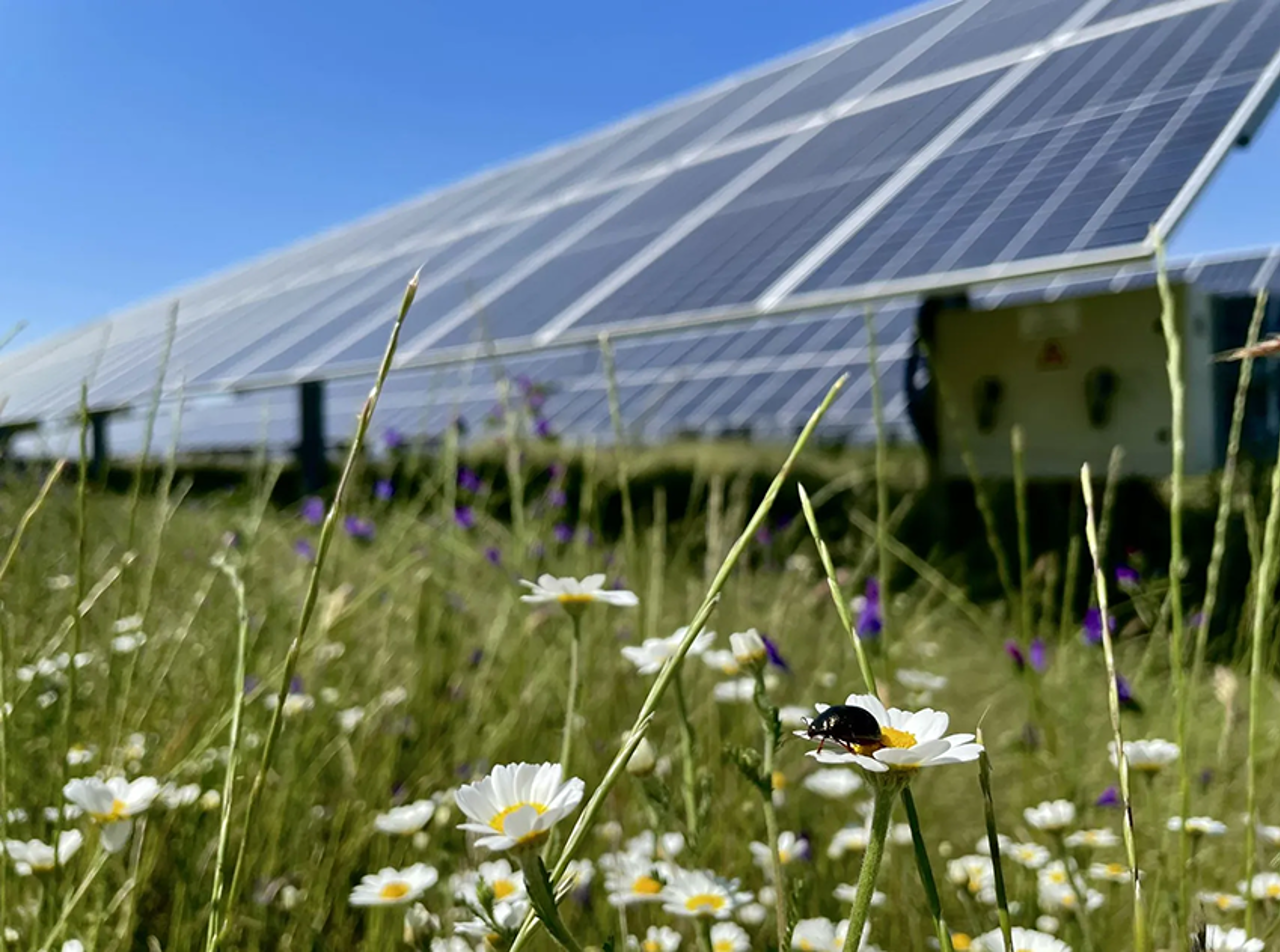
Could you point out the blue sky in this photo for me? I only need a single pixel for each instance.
(147, 143)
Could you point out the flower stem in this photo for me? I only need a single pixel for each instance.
(925, 869)
(769, 722)
(571, 706)
(993, 845)
(689, 783)
(704, 935)
(881, 811)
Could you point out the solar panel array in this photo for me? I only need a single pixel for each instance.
(961, 142)
(759, 378)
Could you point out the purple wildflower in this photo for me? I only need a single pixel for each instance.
(475, 657)
(296, 685)
(468, 480)
(383, 490)
(493, 555)
(464, 517)
(557, 498)
(870, 622)
(250, 682)
(1014, 651)
(1205, 778)
(542, 428)
(304, 549)
(763, 536)
(1196, 620)
(1038, 655)
(1092, 631)
(1127, 578)
(313, 509)
(1125, 693)
(563, 533)
(1108, 798)
(392, 439)
(775, 656)
(359, 529)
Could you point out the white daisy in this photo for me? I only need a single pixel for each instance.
(666, 846)
(974, 873)
(722, 660)
(834, 783)
(793, 716)
(35, 856)
(127, 644)
(1093, 839)
(1110, 872)
(920, 681)
(1147, 756)
(748, 648)
(656, 939)
(1198, 826)
(1052, 816)
(1223, 902)
(575, 595)
(908, 740)
(506, 883)
(697, 894)
(753, 913)
(790, 849)
(172, 797)
(517, 804)
(393, 887)
(580, 872)
(853, 838)
(1024, 940)
(1218, 939)
(737, 691)
(1062, 898)
(729, 937)
(652, 654)
(1263, 886)
(113, 804)
(1268, 834)
(405, 820)
(631, 878)
(79, 754)
(349, 719)
(130, 623)
(822, 935)
(848, 892)
(1026, 855)
(507, 916)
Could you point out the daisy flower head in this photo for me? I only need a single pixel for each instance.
(1197, 826)
(632, 878)
(1052, 816)
(653, 653)
(790, 849)
(849, 838)
(1263, 886)
(737, 691)
(906, 741)
(1223, 902)
(753, 913)
(794, 717)
(1093, 839)
(574, 595)
(729, 937)
(848, 892)
(499, 928)
(1218, 939)
(748, 648)
(506, 883)
(822, 935)
(36, 856)
(834, 783)
(405, 820)
(698, 894)
(975, 874)
(1061, 897)
(1110, 872)
(393, 887)
(1026, 855)
(1024, 940)
(723, 661)
(666, 846)
(1147, 756)
(656, 939)
(113, 804)
(517, 804)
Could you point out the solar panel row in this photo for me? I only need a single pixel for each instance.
(963, 140)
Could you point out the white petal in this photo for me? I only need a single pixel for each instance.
(116, 835)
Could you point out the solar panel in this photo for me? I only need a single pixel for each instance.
(956, 144)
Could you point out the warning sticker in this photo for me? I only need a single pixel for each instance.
(1051, 356)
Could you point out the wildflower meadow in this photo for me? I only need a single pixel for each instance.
(452, 706)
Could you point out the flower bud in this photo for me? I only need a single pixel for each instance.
(642, 760)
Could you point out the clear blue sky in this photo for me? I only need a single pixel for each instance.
(144, 143)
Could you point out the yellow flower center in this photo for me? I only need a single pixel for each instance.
(1223, 902)
(1115, 869)
(646, 886)
(393, 891)
(499, 822)
(502, 888)
(1057, 876)
(651, 945)
(889, 737)
(708, 902)
(579, 598)
(119, 811)
(778, 780)
(806, 946)
(961, 942)
(1273, 890)
(724, 945)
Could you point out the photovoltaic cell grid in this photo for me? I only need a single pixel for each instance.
(956, 140)
(760, 378)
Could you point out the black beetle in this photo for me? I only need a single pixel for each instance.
(846, 725)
